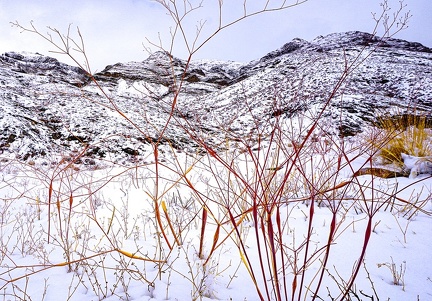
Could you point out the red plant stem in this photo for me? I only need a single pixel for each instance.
(278, 222)
(156, 157)
(59, 216)
(243, 249)
(49, 208)
(257, 235)
(327, 253)
(203, 225)
(215, 240)
(69, 215)
(171, 226)
(311, 213)
(156, 195)
(294, 286)
(273, 256)
(362, 255)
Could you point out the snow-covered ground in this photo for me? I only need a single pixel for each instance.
(70, 234)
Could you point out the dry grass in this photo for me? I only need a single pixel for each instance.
(405, 133)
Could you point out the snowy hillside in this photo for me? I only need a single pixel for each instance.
(51, 108)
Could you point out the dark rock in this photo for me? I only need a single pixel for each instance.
(130, 151)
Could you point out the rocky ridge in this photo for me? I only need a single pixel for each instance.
(52, 110)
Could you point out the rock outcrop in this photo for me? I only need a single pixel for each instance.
(52, 110)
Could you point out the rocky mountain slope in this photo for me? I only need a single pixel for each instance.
(51, 110)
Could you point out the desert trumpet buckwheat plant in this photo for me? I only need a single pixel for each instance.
(273, 211)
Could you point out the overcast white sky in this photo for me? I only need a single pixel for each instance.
(115, 30)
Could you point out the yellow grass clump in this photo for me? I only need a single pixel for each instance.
(407, 133)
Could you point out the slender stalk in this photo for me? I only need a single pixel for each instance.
(361, 258)
(203, 225)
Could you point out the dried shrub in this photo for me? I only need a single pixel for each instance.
(405, 133)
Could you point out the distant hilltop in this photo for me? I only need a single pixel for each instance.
(50, 109)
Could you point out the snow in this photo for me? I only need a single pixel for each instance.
(112, 209)
(417, 165)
